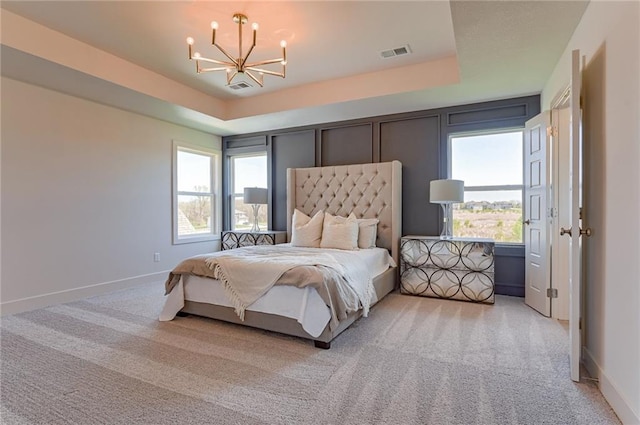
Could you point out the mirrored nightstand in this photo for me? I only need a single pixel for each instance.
(458, 268)
(238, 238)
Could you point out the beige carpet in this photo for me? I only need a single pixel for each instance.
(107, 360)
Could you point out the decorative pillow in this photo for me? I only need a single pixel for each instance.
(339, 232)
(306, 231)
(367, 232)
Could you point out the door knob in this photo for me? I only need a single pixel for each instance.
(564, 231)
(586, 231)
(527, 221)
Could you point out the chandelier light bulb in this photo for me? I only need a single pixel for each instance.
(283, 43)
(196, 55)
(255, 26)
(190, 41)
(214, 25)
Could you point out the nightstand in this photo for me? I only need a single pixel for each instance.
(237, 238)
(458, 268)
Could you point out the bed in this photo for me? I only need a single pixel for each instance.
(366, 191)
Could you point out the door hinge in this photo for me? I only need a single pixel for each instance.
(552, 293)
(552, 130)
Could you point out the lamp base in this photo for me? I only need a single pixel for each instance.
(447, 228)
(256, 227)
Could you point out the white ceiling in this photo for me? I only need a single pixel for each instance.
(462, 52)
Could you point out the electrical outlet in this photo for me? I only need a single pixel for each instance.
(156, 257)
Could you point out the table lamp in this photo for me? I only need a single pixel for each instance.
(446, 192)
(255, 196)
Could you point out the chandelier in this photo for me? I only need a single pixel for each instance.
(239, 65)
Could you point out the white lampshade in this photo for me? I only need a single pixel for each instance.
(255, 195)
(446, 191)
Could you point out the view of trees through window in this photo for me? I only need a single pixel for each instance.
(248, 171)
(197, 211)
(491, 167)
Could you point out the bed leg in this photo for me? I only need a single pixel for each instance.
(182, 314)
(322, 344)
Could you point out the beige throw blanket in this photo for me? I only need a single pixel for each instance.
(340, 277)
(247, 274)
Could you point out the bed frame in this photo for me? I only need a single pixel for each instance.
(367, 190)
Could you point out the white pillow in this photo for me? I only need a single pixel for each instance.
(306, 231)
(339, 232)
(367, 232)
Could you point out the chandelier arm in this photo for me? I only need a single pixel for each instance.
(220, 68)
(231, 64)
(267, 62)
(253, 44)
(260, 83)
(231, 76)
(248, 53)
(231, 58)
(266, 71)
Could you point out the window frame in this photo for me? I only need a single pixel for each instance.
(215, 185)
(486, 188)
(231, 196)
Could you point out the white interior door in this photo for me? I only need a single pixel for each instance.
(536, 219)
(575, 190)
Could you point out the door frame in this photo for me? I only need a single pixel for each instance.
(561, 205)
(575, 255)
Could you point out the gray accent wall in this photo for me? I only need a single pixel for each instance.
(415, 143)
(287, 150)
(417, 139)
(344, 145)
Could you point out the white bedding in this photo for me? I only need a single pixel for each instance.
(302, 304)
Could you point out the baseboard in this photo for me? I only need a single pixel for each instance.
(509, 289)
(74, 294)
(617, 401)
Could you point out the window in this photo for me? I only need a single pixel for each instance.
(195, 185)
(249, 170)
(491, 167)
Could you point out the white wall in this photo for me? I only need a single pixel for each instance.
(609, 39)
(86, 197)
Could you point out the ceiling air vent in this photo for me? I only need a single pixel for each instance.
(398, 51)
(239, 86)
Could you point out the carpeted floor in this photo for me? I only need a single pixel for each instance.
(107, 360)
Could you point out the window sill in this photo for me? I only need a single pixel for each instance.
(196, 239)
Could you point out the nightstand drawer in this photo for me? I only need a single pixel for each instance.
(236, 239)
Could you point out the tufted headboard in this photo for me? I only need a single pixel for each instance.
(367, 190)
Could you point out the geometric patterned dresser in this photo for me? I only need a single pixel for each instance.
(237, 238)
(458, 268)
